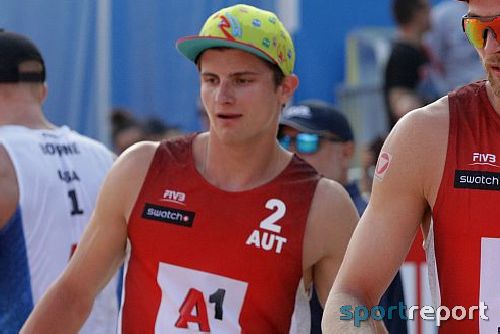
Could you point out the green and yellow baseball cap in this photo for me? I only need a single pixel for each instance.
(246, 28)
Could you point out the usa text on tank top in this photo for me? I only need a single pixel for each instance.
(467, 213)
(207, 260)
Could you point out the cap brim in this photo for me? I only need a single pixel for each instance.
(305, 127)
(192, 46)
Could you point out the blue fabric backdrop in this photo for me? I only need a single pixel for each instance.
(108, 53)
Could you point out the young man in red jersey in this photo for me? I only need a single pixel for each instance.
(225, 229)
(439, 162)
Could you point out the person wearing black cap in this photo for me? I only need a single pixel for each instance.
(49, 178)
(225, 228)
(322, 136)
(438, 173)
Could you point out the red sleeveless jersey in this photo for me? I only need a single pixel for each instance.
(466, 227)
(207, 260)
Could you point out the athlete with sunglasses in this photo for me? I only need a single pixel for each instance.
(441, 161)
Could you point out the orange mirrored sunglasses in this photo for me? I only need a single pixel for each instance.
(476, 29)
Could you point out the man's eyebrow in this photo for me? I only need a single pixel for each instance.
(245, 73)
(234, 74)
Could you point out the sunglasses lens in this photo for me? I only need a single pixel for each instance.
(285, 142)
(307, 143)
(475, 31)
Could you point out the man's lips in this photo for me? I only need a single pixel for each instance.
(229, 116)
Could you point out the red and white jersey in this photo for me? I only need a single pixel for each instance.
(464, 242)
(207, 260)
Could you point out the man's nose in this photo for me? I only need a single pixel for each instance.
(224, 93)
(492, 45)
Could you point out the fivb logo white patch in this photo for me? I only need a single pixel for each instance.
(174, 196)
(488, 159)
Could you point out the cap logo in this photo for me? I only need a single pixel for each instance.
(298, 111)
(229, 22)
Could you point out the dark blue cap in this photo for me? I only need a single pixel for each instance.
(317, 117)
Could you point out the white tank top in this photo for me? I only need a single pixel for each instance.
(59, 173)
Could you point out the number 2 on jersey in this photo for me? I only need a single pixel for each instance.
(268, 236)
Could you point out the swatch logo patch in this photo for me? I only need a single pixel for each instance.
(477, 180)
(168, 215)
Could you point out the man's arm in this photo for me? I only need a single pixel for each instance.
(332, 220)
(400, 197)
(66, 305)
(10, 189)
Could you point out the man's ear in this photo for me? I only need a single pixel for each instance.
(44, 92)
(288, 87)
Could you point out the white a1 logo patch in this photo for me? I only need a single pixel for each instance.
(199, 301)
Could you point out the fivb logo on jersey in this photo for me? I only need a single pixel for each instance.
(479, 179)
(174, 196)
(487, 159)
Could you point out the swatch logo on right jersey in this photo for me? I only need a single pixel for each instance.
(471, 179)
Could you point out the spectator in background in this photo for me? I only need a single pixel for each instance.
(126, 129)
(408, 75)
(459, 63)
(322, 136)
(156, 129)
(49, 179)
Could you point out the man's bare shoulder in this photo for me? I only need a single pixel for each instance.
(132, 165)
(332, 214)
(423, 125)
(415, 151)
(124, 180)
(138, 156)
(330, 196)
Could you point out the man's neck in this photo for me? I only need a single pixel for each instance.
(493, 98)
(238, 168)
(29, 115)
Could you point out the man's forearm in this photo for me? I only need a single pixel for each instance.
(58, 312)
(345, 314)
